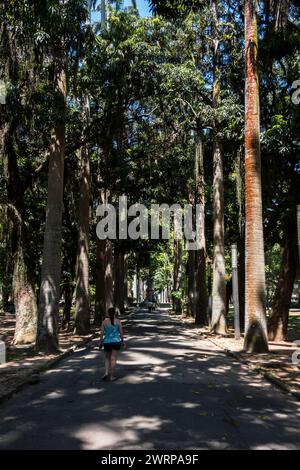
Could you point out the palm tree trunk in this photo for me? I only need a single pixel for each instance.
(48, 315)
(177, 276)
(279, 315)
(82, 312)
(119, 269)
(191, 261)
(22, 286)
(109, 276)
(201, 289)
(68, 296)
(218, 324)
(23, 295)
(100, 283)
(191, 283)
(255, 307)
(125, 281)
(241, 264)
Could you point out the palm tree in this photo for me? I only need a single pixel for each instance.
(218, 322)
(48, 315)
(255, 317)
(201, 289)
(82, 312)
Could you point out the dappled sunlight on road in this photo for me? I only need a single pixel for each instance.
(175, 390)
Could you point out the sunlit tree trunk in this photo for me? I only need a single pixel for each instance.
(191, 287)
(201, 289)
(23, 295)
(68, 296)
(22, 286)
(100, 282)
(255, 305)
(125, 284)
(177, 276)
(119, 269)
(82, 312)
(279, 315)
(48, 316)
(218, 324)
(219, 284)
(82, 309)
(191, 264)
(241, 264)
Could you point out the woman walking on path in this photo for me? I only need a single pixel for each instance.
(112, 338)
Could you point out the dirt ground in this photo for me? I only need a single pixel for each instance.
(23, 362)
(277, 364)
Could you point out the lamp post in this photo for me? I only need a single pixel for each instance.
(235, 292)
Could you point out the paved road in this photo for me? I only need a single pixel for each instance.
(175, 392)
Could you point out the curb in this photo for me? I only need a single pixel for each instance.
(34, 376)
(271, 377)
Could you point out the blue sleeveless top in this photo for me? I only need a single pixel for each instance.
(112, 333)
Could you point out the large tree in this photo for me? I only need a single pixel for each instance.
(66, 18)
(82, 312)
(255, 310)
(218, 323)
(48, 321)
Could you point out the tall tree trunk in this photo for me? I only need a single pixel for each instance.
(219, 284)
(218, 324)
(109, 279)
(68, 296)
(82, 312)
(125, 283)
(279, 315)
(119, 269)
(23, 289)
(241, 272)
(191, 267)
(240, 199)
(48, 316)
(191, 262)
(201, 289)
(255, 308)
(100, 283)
(23, 295)
(177, 276)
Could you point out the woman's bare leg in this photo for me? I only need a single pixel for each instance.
(107, 363)
(113, 364)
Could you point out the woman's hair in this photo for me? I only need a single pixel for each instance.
(112, 314)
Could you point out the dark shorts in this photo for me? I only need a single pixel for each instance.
(108, 347)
